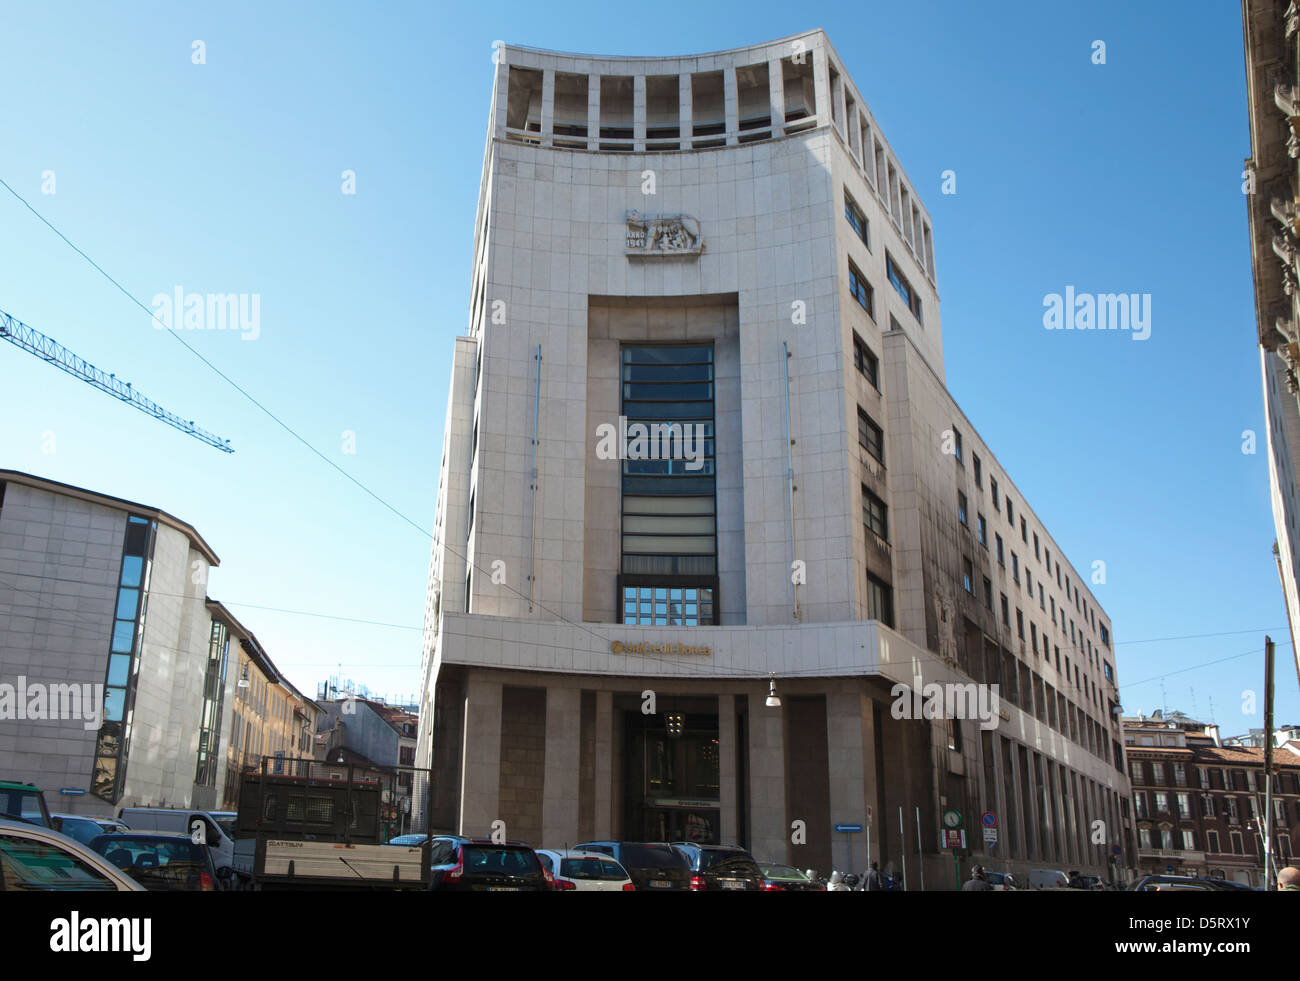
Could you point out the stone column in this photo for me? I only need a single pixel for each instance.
(480, 775)
(821, 84)
(685, 108)
(638, 112)
(604, 821)
(562, 771)
(731, 105)
(769, 835)
(776, 89)
(548, 107)
(844, 740)
(593, 112)
(729, 829)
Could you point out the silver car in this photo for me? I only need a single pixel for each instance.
(583, 871)
(36, 859)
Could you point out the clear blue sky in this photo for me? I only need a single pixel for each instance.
(225, 177)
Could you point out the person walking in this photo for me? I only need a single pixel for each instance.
(874, 883)
(977, 881)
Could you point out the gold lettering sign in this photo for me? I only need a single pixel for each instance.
(675, 647)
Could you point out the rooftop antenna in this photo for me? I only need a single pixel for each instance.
(1164, 703)
(1192, 692)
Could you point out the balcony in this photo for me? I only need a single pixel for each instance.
(1176, 854)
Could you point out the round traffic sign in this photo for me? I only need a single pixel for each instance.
(989, 819)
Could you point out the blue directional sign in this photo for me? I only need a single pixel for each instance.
(72, 791)
(848, 828)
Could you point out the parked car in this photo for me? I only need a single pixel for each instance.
(1095, 883)
(1185, 883)
(482, 865)
(716, 867)
(1001, 881)
(24, 802)
(216, 829)
(653, 866)
(160, 862)
(39, 859)
(1048, 879)
(576, 870)
(786, 878)
(83, 827)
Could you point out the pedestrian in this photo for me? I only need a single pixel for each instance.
(1288, 880)
(977, 881)
(873, 878)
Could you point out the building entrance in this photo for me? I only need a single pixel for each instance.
(671, 768)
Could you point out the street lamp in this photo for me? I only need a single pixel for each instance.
(773, 700)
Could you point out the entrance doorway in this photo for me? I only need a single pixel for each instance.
(671, 777)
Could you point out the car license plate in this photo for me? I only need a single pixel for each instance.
(732, 884)
(661, 883)
(503, 889)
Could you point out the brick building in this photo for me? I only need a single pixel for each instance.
(1198, 806)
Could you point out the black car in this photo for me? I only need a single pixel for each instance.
(786, 878)
(718, 867)
(1181, 883)
(653, 866)
(160, 862)
(481, 865)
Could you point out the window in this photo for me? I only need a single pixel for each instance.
(1033, 638)
(861, 290)
(1010, 517)
(1029, 583)
(1006, 612)
(961, 507)
(34, 866)
(904, 288)
(993, 486)
(1015, 568)
(866, 362)
(1041, 604)
(1162, 802)
(1180, 775)
(1236, 843)
(870, 436)
(880, 601)
(967, 575)
(1185, 806)
(1105, 636)
(956, 443)
(1140, 805)
(1037, 557)
(983, 527)
(875, 514)
(668, 605)
(857, 220)
(1024, 534)
(988, 594)
(979, 473)
(1212, 841)
(1207, 805)
(1020, 623)
(1001, 559)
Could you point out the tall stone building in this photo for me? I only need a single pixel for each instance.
(1271, 182)
(699, 446)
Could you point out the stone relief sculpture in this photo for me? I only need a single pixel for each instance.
(945, 613)
(662, 235)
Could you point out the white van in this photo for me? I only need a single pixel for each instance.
(1048, 879)
(218, 829)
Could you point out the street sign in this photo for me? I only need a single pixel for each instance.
(848, 828)
(72, 791)
(989, 819)
(868, 814)
(990, 834)
(1115, 850)
(953, 839)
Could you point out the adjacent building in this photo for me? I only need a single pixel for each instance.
(1271, 182)
(122, 683)
(708, 516)
(1199, 806)
(111, 687)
